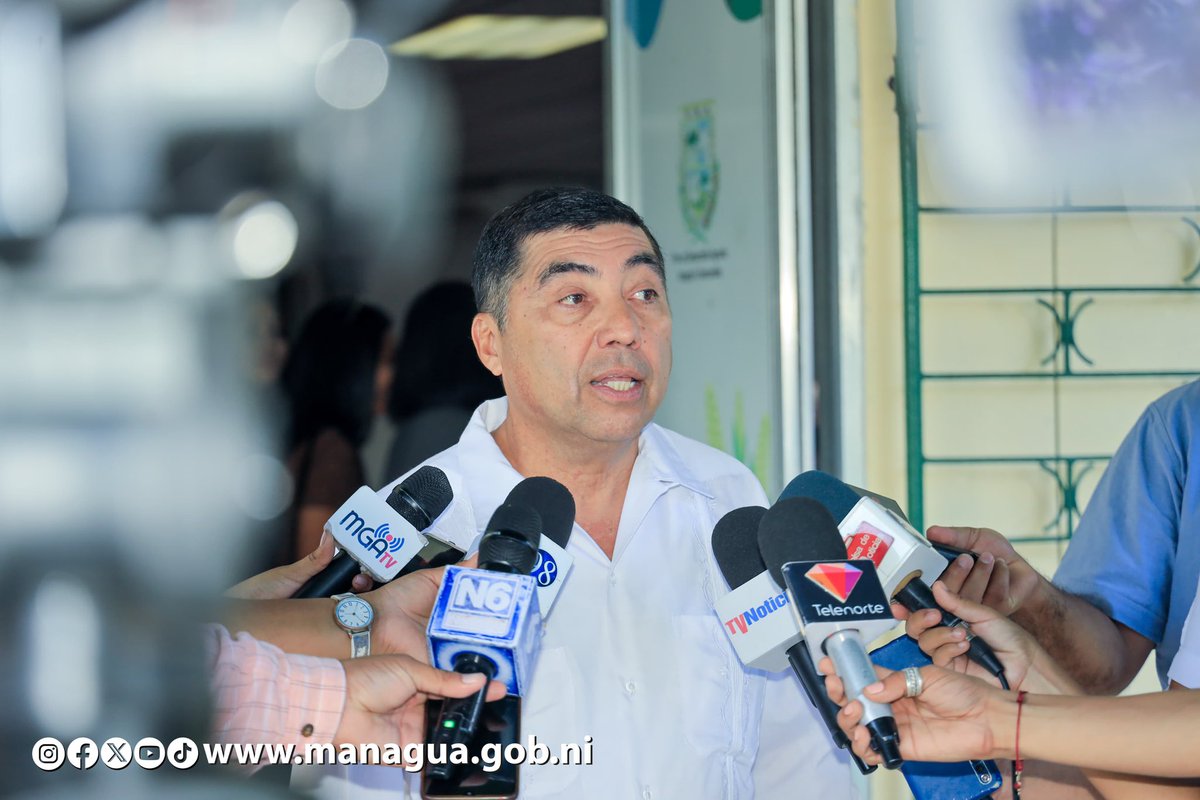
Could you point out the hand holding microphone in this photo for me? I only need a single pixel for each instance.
(488, 620)
(906, 561)
(283, 582)
(1026, 665)
(951, 718)
(380, 538)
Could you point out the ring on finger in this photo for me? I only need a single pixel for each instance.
(913, 682)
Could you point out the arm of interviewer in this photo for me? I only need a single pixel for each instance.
(957, 717)
(263, 695)
(1100, 654)
(1026, 664)
(306, 626)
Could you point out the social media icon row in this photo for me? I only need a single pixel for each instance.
(116, 753)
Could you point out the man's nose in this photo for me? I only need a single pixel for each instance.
(620, 326)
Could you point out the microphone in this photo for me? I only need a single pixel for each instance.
(840, 603)
(906, 561)
(762, 638)
(378, 537)
(487, 620)
(556, 507)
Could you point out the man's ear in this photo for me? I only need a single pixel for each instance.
(485, 333)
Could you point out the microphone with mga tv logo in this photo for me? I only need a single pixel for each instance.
(488, 619)
(839, 602)
(377, 537)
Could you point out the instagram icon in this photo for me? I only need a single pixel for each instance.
(48, 754)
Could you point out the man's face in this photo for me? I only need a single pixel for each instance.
(586, 347)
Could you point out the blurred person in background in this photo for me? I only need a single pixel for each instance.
(441, 381)
(335, 381)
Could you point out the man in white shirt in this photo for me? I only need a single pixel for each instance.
(574, 319)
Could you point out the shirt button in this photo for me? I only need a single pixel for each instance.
(630, 687)
(307, 730)
(724, 672)
(612, 580)
(647, 794)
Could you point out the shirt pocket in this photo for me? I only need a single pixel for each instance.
(550, 712)
(708, 688)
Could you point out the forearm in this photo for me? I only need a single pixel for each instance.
(1047, 676)
(1118, 786)
(1089, 647)
(294, 626)
(1149, 734)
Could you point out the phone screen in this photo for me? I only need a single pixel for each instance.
(499, 727)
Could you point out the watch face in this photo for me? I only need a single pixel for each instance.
(354, 613)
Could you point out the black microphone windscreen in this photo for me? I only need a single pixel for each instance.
(422, 497)
(798, 529)
(510, 541)
(735, 545)
(830, 492)
(554, 505)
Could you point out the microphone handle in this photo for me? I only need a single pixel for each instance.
(334, 579)
(916, 596)
(460, 715)
(814, 686)
(845, 648)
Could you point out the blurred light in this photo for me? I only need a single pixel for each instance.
(262, 486)
(65, 656)
(264, 239)
(353, 75)
(311, 27)
(33, 177)
(503, 36)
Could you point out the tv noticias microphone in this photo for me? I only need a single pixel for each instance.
(377, 537)
(840, 604)
(487, 620)
(556, 507)
(763, 632)
(874, 528)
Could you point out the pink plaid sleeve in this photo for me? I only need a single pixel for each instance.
(264, 695)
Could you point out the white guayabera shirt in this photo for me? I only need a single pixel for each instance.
(632, 653)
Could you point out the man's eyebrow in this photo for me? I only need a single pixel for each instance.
(563, 267)
(646, 259)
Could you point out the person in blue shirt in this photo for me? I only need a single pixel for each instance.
(1129, 576)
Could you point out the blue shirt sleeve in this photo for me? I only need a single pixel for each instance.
(1122, 555)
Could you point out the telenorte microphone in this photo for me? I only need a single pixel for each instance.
(761, 630)
(873, 528)
(488, 619)
(380, 538)
(839, 602)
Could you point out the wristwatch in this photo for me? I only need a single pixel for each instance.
(355, 615)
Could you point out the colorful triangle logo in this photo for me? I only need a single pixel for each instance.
(837, 579)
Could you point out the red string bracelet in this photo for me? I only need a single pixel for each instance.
(1018, 764)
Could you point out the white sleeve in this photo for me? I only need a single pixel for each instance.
(1185, 667)
(796, 755)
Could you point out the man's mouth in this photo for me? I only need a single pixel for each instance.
(623, 384)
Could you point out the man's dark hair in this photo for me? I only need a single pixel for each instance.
(498, 254)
